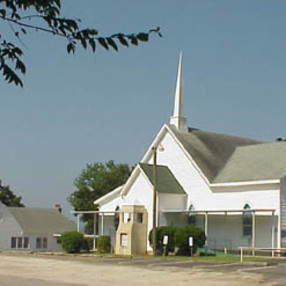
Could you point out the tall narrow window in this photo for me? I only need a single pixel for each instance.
(45, 242)
(38, 242)
(247, 221)
(13, 242)
(116, 218)
(192, 216)
(26, 242)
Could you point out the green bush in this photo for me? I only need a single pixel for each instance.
(160, 233)
(103, 244)
(72, 241)
(182, 239)
(87, 244)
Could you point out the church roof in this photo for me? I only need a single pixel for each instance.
(36, 221)
(258, 162)
(211, 151)
(166, 181)
(226, 158)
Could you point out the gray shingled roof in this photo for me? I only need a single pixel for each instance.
(166, 181)
(211, 151)
(227, 158)
(46, 222)
(259, 162)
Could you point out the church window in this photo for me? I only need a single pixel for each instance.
(116, 217)
(247, 221)
(192, 216)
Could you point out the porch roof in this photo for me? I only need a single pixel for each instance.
(166, 181)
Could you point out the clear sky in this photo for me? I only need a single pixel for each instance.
(76, 109)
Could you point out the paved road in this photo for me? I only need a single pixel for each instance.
(266, 275)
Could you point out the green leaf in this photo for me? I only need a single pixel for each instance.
(134, 40)
(112, 43)
(143, 37)
(20, 66)
(123, 41)
(92, 44)
(103, 43)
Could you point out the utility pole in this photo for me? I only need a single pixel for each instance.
(154, 198)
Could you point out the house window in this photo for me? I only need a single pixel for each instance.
(41, 242)
(38, 242)
(192, 219)
(13, 242)
(26, 242)
(19, 242)
(247, 221)
(45, 242)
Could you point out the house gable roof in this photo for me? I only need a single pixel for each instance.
(166, 181)
(35, 221)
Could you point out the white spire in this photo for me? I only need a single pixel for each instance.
(178, 118)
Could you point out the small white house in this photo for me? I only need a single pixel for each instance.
(233, 187)
(32, 228)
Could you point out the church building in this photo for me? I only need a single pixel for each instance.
(232, 187)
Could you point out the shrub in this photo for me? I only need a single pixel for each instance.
(104, 244)
(160, 233)
(72, 241)
(87, 244)
(182, 239)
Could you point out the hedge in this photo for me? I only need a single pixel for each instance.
(103, 244)
(182, 239)
(160, 233)
(72, 241)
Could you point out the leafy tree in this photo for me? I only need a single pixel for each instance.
(8, 198)
(95, 181)
(45, 16)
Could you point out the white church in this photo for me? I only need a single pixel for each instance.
(232, 187)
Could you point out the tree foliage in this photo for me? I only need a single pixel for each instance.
(45, 16)
(95, 181)
(8, 198)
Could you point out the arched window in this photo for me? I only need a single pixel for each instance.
(247, 221)
(192, 216)
(116, 218)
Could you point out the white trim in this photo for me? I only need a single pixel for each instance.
(130, 181)
(146, 178)
(246, 183)
(109, 196)
(155, 142)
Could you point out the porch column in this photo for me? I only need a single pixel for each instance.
(206, 228)
(272, 234)
(77, 221)
(94, 231)
(253, 232)
(102, 223)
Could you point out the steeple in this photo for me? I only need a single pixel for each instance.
(178, 118)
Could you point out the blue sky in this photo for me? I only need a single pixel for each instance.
(76, 109)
